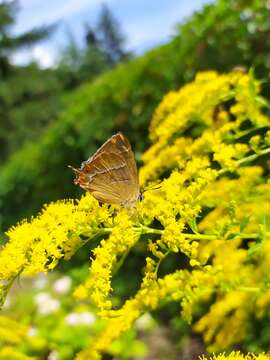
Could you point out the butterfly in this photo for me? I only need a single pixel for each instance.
(111, 175)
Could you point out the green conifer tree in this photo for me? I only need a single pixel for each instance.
(111, 38)
(23, 89)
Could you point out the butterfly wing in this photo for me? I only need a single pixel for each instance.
(118, 144)
(111, 173)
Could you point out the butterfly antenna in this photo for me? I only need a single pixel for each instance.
(77, 171)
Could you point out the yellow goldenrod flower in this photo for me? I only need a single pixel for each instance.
(212, 205)
(236, 355)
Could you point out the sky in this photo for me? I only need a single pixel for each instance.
(145, 23)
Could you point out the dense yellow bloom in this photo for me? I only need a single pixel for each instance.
(212, 325)
(193, 185)
(182, 285)
(8, 353)
(236, 355)
(11, 331)
(105, 257)
(54, 234)
(197, 102)
(212, 205)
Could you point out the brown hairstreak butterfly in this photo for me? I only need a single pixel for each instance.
(110, 175)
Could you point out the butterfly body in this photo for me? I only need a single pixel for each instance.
(110, 175)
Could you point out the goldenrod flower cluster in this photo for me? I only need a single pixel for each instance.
(7, 352)
(98, 285)
(37, 245)
(236, 355)
(209, 158)
(12, 333)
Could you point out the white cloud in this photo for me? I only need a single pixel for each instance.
(44, 56)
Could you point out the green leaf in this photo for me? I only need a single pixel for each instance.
(243, 223)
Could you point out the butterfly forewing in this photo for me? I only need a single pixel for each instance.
(111, 173)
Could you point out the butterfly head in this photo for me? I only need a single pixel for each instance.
(80, 178)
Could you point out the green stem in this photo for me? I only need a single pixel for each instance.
(120, 263)
(249, 289)
(242, 133)
(147, 230)
(7, 287)
(160, 261)
(104, 231)
(247, 159)
(253, 156)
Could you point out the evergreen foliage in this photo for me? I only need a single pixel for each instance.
(29, 96)
(110, 38)
(104, 48)
(9, 42)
